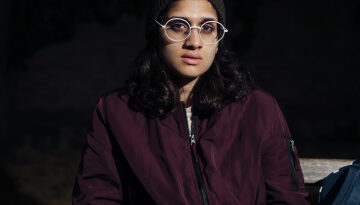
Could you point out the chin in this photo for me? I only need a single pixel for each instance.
(191, 71)
(188, 76)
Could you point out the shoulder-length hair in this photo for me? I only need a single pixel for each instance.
(153, 88)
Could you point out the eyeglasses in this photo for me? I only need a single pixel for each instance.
(178, 29)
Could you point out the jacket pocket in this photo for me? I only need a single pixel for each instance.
(291, 155)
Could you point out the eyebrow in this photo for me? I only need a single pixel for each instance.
(203, 19)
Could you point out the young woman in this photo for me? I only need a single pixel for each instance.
(190, 127)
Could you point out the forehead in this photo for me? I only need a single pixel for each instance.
(192, 9)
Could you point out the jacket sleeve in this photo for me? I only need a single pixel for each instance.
(97, 181)
(281, 168)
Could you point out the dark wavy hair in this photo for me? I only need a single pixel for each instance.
(153, 87)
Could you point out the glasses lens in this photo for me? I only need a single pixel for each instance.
(212, 32)
(177, 29)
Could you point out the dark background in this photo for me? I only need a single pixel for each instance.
(58, 57)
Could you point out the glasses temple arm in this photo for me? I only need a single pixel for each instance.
(159, 23)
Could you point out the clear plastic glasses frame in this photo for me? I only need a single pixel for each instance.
(191, 27)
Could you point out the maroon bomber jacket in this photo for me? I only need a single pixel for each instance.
(241, 155)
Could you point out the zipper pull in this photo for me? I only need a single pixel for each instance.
(192, 139)
(292, 143)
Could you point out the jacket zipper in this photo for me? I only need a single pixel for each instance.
(290, 148)
(196, 165)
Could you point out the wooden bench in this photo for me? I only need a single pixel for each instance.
(315, 169)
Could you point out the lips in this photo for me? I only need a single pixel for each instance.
(191, 59)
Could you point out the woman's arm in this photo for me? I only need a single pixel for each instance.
(281, 167)
(97, 181)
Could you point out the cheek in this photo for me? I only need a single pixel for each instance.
(165, 54)
(168, 53)
(211, 54)
(165, 48)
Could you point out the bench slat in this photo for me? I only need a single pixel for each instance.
(316, 169)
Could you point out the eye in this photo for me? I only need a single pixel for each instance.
(177, 26)
(208, 28)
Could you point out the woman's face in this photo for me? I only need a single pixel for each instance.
(180, 55)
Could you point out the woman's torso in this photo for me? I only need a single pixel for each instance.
(155, 155)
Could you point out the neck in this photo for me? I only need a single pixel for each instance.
(185, 91)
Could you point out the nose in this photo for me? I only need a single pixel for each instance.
(193, 41)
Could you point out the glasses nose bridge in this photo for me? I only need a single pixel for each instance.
(198, 27)
(192, 27)
(191, 30)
